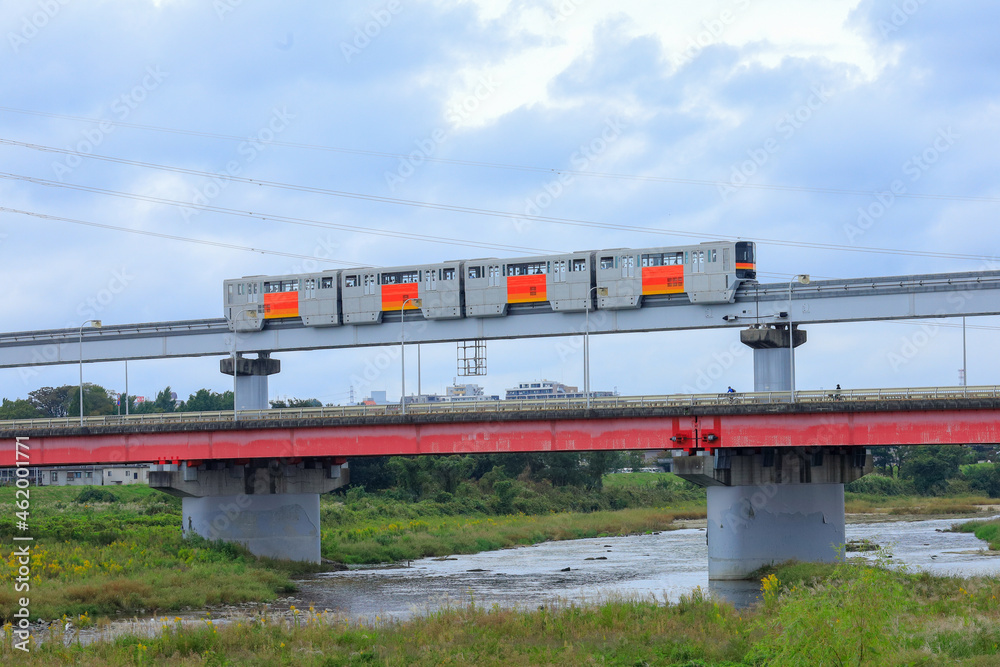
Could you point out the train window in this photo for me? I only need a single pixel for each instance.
(652, 259)
(350, 281)
(475, 272)
(230, 293)
(744, 253)
(400, 277)
(289, 286)
(579, 265)
(712, 257)
(527, 269)
(326, 282)
(447, 274)
(607, 262)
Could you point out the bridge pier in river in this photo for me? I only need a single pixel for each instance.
(773, 504)
(269, 506)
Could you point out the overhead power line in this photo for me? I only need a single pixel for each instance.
(472, 211)
(501, 165)
(143, 232)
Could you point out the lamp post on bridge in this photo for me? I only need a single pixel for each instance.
(601, 291)
(97, 325)
(402, 347)
(803, 279)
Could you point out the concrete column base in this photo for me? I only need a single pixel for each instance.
(283, 526)
(753, 526)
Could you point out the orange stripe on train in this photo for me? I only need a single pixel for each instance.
(526, 289)
(281, 304)
(394, 296)
(743, 265)
(663, 279)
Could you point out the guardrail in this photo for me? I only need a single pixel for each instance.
(491, 407)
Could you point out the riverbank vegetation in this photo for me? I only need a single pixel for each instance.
(850, 613)
(988, 531)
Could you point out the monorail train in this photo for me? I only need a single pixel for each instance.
(707, 273)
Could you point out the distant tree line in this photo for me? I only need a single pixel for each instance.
(64, 401)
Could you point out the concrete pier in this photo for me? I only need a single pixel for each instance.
(251, 379)
(768, 505)
(269, 506)
(771, 505)
(771, 355)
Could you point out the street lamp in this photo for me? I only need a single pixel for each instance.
(97, 325)
(601, 291)
(402, 348)
(248, 315)
(803, 279)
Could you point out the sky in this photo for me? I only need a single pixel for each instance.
(767, 120)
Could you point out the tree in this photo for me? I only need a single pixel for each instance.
(984, 477)
(21, 408)
(930, 467)
(297, 403)
(204, 400)
(164, 402)
(96, 401)
(449, 471)
(52, 401)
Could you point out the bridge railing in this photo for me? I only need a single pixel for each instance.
(536, 405)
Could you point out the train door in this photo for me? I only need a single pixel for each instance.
(628, 266)
(559, 271)
(698, 261)
(494, 276)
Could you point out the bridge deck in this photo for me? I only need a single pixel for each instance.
(946, 417)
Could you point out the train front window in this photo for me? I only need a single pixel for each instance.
(744, 253)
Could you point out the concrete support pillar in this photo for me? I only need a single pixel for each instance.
(251, 379)
(271, 507)
(770, 505)
(753, 526)
(771, 356)
(284, 526)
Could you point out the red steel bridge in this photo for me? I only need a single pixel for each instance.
(851, 418)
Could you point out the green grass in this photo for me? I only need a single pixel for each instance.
(988, 531)
(845, 614)
(124, 556)
(858, 503)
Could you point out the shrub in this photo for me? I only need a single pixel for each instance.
(96, 495)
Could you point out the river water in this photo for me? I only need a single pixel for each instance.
(663, 566)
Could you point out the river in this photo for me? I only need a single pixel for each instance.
(664, 565)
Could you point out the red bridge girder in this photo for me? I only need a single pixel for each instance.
(864, 429)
